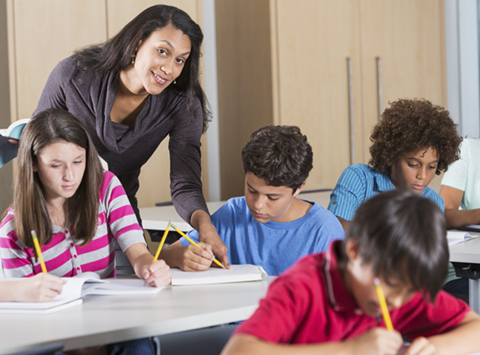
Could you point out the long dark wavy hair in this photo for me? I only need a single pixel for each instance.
(116, 53)
(81, 210)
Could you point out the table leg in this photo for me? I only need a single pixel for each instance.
(474, 294)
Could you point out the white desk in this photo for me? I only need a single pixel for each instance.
(109, 319)
(157, 218)
(469, 252)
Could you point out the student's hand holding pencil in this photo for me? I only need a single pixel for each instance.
(156, 274)
(39, 288)
(377, 341)
(195, 257)
(218, 247)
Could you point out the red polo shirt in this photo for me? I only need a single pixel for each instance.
(309, 303)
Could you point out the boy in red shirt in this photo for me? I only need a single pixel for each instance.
(327, 303)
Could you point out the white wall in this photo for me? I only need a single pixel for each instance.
(462, 42)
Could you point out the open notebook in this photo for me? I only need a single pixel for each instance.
(238, 273)
(455, 237)
(77, 287)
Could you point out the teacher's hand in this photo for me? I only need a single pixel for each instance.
(207, 233)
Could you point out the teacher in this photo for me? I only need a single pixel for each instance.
(134, 90)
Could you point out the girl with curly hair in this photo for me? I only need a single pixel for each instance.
(413, 141)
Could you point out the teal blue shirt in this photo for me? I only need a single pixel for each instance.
(360, 182)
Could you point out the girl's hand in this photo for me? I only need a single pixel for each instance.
(39, 288)
(157, 274)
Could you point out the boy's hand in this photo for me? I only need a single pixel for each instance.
(157, 274)
(421, 346)
(39, 288)
(207, 233)
(193, 258)
(378, 341)
(219, 249)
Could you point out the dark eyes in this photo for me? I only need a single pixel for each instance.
(416, 166)
(163, 52)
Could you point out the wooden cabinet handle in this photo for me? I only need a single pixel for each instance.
(351, 110)
(378, 60)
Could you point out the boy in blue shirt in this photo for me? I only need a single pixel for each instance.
(270, 226)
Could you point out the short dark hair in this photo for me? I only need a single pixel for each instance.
(281, 155)
(403, 236)
(410, 125)
(116, 53)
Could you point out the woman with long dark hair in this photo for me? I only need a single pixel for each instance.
(134, 90)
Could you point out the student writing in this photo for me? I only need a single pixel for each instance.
(270, 226)
(413, 141)
(327, 303)
(39, 288)
(76, 209)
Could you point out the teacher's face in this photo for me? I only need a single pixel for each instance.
(159, 60)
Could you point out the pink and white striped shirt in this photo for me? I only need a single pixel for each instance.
(64, 256)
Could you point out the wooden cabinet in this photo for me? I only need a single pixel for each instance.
(40, 33)
(325, 66)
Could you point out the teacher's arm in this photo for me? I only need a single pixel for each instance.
(185, 179)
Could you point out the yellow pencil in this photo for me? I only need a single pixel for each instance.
(161, 243)
(383, 304)
(39, 252)
(191, 241)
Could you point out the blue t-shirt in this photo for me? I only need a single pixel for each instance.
(272, 245)
(360, 182)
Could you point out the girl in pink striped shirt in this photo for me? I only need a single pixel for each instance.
(76, 209)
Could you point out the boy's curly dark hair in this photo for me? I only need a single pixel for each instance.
(281, 155)
(410, 125)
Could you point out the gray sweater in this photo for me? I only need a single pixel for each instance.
(126, 149)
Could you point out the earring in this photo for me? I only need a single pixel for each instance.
(174, 82)
(133, 58)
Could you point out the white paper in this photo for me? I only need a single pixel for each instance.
(238, 273)
(455, 237)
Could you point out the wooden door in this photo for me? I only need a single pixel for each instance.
(312, 41)
(404, 40)
(42, 33)
(244, 70)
